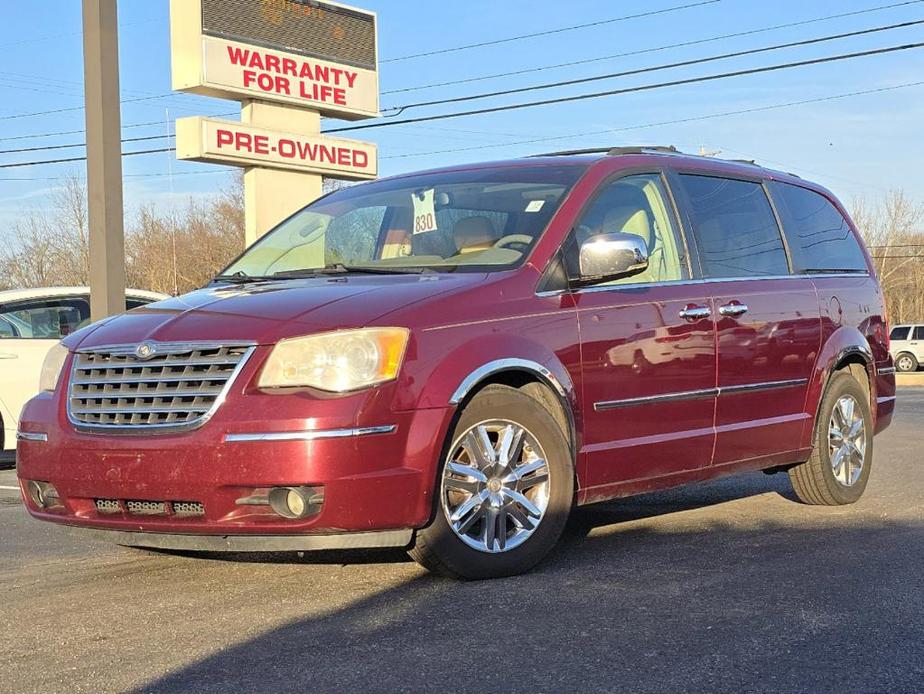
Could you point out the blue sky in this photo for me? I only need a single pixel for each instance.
(861, 145)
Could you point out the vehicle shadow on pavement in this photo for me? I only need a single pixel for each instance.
(633, 600)
(582, 521)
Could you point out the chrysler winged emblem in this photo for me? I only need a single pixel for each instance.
(145, 350)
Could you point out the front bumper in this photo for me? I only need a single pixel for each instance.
(373, 477)
(253, 543)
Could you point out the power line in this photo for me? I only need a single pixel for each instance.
(657, 68)
(632, 90)
(549, 32)
(73, 159)
(571, 136)
(678, 121)
(80, 131)
(79, 144)
(683, 44)
(80, 108)
(519, 90)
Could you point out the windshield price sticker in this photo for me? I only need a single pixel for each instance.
(424, 211)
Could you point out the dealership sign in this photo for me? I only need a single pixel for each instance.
(239, 144)
(316, 55)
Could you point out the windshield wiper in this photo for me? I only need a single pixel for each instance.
(341, 269)
(239, 277)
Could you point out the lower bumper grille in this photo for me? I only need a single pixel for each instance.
(186, 509)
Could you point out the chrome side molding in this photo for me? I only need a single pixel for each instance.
(309, 435)
(697, 394)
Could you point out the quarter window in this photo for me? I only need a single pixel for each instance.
(918, 333)
(900, 333)
(634, 205)
(735, 229)
(820, 239)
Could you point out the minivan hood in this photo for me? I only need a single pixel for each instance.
(266, 312)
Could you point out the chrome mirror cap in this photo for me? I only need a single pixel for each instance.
(608, 256)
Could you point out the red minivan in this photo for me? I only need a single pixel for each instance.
(449, 361)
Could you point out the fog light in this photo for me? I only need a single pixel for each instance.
(296, 502)
(43, 494)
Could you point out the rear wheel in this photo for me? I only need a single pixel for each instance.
(505, 489)
(906, 362)
(838, 471)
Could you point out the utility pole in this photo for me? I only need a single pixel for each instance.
(104, 157)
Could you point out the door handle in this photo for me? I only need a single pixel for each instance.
(4, 355)
(733, 309)
(693, 312)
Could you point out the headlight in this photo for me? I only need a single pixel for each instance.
(339, 361)
(51, 367)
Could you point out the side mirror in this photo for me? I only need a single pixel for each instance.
(606, 257)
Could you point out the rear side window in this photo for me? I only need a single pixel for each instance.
(820, 239)
(918, 333)
(900, 333)
(735, 228)
(44, 319)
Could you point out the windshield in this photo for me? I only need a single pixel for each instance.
(475, 220)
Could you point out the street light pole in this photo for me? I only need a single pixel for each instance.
(104, 157)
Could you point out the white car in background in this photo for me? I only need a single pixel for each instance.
(31, 322)
(907, 346)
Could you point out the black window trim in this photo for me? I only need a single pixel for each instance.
(762, 181)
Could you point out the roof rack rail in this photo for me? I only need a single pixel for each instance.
(752, 162)
(611, 151)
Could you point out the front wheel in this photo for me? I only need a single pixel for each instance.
(505, 489)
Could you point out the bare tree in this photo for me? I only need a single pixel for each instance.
(893, 231)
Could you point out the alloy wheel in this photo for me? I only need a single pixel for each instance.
(495, 486)
(905, 363)
(847, 441)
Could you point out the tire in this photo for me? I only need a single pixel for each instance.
(498, 536)
(906, 362)
(816, 481)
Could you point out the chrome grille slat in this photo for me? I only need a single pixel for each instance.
(179, 386)
(172, 378)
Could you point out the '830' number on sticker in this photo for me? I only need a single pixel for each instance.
(424, 222)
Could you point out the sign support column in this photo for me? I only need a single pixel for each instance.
(272, 195)
(104, 157)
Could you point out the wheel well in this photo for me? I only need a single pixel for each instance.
(533, 385)
(856, 366)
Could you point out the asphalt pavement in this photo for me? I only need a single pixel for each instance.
(729, 586)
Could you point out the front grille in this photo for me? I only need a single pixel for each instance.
(146, 508)
(108, 506)
(177, 386)
(186, 509)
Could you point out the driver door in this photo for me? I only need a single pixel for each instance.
(647, 346)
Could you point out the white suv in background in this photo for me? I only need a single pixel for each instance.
(907, 346)
(31, 322)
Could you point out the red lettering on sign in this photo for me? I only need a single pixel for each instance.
(286, 148)
(242, 141)
(261, 144)
(360, 159)
(272, 63)
(289, 67)
(225, 137)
